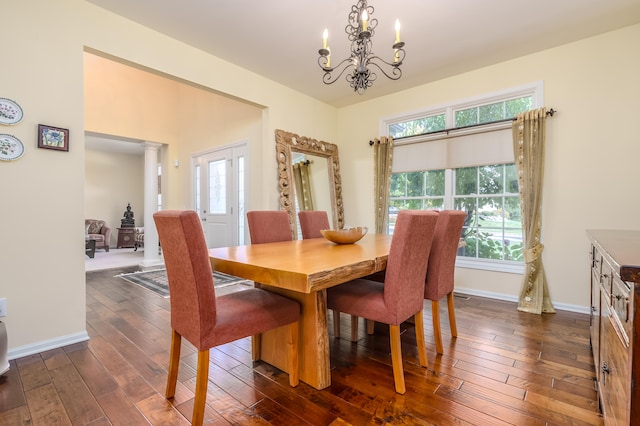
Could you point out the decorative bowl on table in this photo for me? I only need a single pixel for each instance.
(344, 236)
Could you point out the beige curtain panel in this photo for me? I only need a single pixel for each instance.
(382, 160)
(302, 182)
(528, 148)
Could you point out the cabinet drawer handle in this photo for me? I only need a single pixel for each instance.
(627, 307)
(605, 368)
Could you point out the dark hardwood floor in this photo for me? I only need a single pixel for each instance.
(505, 367)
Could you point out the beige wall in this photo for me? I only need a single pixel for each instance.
(110, 182)
(592, 151)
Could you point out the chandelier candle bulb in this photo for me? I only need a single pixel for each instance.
(397, 35)
(365, 18)
(325, 38)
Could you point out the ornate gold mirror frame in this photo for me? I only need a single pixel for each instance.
(286, 143)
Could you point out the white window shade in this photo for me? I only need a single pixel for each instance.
(457, 148)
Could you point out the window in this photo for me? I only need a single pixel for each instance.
(460, 156)
(489, 195)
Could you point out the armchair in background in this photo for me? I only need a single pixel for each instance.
(138, 238)
(99, 231)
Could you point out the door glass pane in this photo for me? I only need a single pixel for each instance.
(241, 196)
(197, 189)
(217, 187)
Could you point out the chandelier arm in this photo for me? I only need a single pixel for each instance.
(330, 75)
(398, 53)
(394, 73)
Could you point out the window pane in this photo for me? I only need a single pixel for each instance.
(467, 181)
(516, 106)
(435, 182)
(435, 123)
(415, 184)
(493, 229)
(417, 127)
(434, 204)
(466, 117)
(489, 113)
(415, 191)
(511, 179)
(491, 179)
(398, 185)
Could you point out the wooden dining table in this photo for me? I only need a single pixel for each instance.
(302, 270)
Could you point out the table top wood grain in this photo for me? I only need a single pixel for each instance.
(304, 265)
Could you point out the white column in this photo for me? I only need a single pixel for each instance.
(152, 257)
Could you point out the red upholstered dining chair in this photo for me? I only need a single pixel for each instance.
(206, 320)
(401, 296)
(440, 271)
(269, 226)
(312, 221)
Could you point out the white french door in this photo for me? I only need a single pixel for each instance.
(220, 192)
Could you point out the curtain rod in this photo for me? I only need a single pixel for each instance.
(549, 113)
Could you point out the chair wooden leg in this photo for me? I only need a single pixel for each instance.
(354, 328)
(174, 363)
(336, 323)
(452, 315)
(293, 352)
(202, 381)
(437, 333)
(422, 348)
(370, 325)
(396, 358)
(255, 347)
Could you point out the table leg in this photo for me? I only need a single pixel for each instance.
(315, 366)
(90, 248)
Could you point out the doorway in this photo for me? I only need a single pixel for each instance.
(219, 182)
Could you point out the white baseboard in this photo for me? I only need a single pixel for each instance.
(509, 298)
(47, 345)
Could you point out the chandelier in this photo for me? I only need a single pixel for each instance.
(362, 62)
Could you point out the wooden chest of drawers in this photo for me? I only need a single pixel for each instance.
(126, 237)
(615, 322)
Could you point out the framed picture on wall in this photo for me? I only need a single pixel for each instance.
(50, 137)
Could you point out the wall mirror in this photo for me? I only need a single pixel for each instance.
(323, 171)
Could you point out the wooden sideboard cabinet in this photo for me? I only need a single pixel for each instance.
(126, 237)
(615, 323)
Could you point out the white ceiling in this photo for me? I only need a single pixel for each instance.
(279, 39)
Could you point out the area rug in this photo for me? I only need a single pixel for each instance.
(157, 282)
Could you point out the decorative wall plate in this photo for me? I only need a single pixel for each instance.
(10, 111)
(10, 148)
